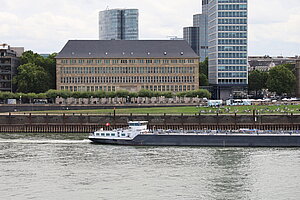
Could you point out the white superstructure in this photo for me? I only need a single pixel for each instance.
(134, 128)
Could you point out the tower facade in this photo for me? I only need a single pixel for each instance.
(119, 24)
(227, 46)
(196, 35)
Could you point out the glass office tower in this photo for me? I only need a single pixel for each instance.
(196, 35)
(119, 24)
(227, 36)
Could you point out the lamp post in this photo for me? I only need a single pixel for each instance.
(20, 99)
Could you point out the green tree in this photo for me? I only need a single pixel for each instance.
(48, 64)
(122, 93)
(31, 78)
(203, 73)
(6, 95)
(291, 67)
(257, 80)
(281, 80)
(203, 67)
(30, 96)
(201, 93)
(100, 94)
(145, 93)
(203, 81)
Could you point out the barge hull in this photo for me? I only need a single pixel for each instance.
(207, 140)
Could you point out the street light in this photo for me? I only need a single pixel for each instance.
(20, 99)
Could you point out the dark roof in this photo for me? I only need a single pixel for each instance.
(127, 49)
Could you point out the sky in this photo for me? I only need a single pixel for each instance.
(44, 26)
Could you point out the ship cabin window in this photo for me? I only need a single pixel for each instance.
(123, 134)
(134, 124)
(97, 134)
(113, 134)
(102, 134)
(107, 134)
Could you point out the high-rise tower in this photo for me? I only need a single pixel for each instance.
(119, 24)
(196, 35)
(227, 46)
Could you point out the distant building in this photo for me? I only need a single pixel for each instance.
(19, 50)
(228, 40)
(175, 38)
(297, 73)
(119, 24)
(132, 65)
(45, 55)
(9, 63)
(197, 35)
(265, 63)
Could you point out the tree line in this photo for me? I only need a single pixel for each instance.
(52, 94)
(280, 79)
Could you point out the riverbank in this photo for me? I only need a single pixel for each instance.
(79, 123)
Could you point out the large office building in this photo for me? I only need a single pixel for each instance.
(227, 37)
(9, 63)
(196, 35)
(132, 65)
(119, 24)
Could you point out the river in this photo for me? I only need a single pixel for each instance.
(67, 166)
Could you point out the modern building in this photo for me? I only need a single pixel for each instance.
(227, 38)
(191, 35)
(132, 65)
(196, 35)
(265, 63)
(9, 63)
(119, 24)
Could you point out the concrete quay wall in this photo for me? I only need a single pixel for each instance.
(89, 123)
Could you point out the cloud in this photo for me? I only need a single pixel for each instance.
(45, 26)
(274, 27)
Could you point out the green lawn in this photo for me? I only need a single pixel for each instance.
(282, 109)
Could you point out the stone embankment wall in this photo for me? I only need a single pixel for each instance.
(89, 123)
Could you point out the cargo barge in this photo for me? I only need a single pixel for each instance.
(137, 134)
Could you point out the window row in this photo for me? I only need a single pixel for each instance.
(232, 81)
(232, 28)
(127, 61)
(164, 88)
(232, 1)
(232, 48)
(232, 41)
(232, 35)
(232, 61)
(233, 7)
(232, 14)
(232, 55)
(232, 68)
(128, 79)
(89, 88)
(232, 75)
(161, 88)
(127, 70)
(232, 21)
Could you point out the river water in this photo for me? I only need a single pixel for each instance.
(62, 166)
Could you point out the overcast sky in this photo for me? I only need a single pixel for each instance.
(44, 26)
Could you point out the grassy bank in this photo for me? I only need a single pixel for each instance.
(275, 109)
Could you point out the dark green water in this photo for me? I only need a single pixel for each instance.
(54, 166)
